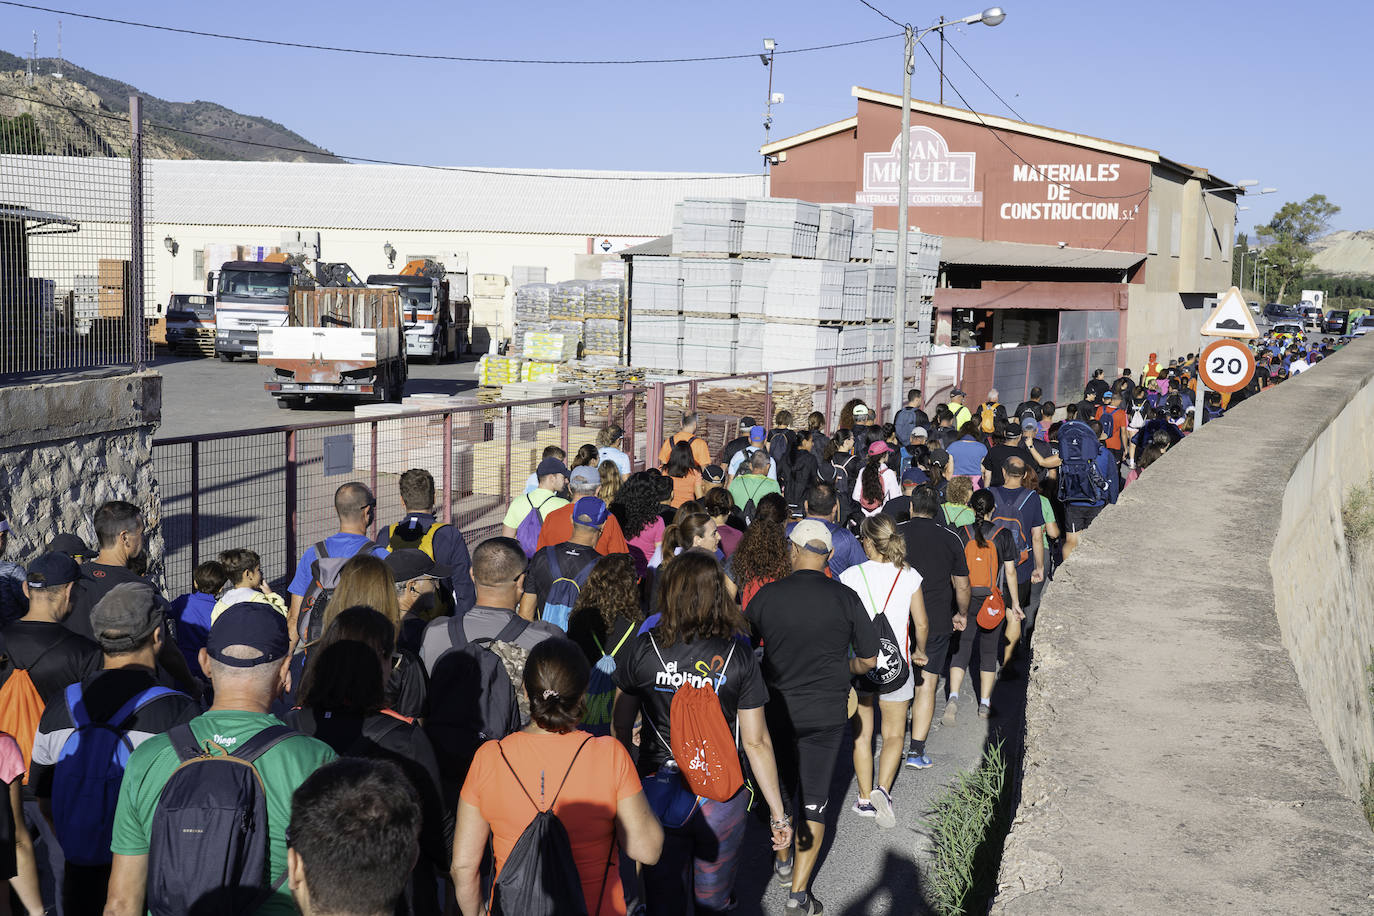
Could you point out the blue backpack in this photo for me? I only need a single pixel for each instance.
(1080, 480)
(87, 775)
(209, 852)
(564, 591)
(530, 526)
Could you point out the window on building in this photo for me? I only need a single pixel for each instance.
(198, 264)
(1176, 234)
(1152, 231)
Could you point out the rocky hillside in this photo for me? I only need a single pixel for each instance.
(66, 131)
(1345, 253)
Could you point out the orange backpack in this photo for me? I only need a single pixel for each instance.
(985, 578)
(20, 709)
(703, 748)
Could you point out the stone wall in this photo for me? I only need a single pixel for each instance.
(1322, 591)
(1174, 762)
(68, 446)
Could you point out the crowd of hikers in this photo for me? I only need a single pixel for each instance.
(581, 714)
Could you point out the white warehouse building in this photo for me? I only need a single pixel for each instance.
(482, 222)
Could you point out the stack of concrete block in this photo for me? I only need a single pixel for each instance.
(657, 285)
(781, 227)
(835, 233)
(708, 344)
(805, 291)
(861, 247)
(710, 286)
(709, 226)
(854, 307)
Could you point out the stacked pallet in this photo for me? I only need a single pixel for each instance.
(593, 374)
(114, 277)
(781, 228)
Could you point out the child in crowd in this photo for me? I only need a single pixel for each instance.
(244, 568)
(192, 611)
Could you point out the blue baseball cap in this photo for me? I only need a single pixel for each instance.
(254, 624)
(757, 433)
(914, 474)
(590, 512)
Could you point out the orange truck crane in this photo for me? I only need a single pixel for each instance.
(430, 329)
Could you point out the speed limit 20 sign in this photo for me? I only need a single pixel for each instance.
(1227, 365)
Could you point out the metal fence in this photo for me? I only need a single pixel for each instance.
(73, 248)
(272, 489)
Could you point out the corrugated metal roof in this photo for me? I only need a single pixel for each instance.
(310, 195)
(1019, 254)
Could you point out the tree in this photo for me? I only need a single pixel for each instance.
(1289, 236)
(20, 135)
(1238, 255)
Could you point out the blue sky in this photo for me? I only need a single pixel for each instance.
(1264, 90)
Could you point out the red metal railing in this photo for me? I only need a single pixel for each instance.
(272, 489)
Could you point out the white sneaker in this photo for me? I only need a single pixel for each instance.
(882, 806)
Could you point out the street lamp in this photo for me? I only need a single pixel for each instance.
(991, 16)
(773, 98)
(171, 245)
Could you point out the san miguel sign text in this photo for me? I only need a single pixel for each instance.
(938, 177)
(941, 178)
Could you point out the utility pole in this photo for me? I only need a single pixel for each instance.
(942, 60)
(903, 189)
(768, 45)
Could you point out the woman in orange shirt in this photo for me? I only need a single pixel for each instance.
(683, 471)
(589, 783)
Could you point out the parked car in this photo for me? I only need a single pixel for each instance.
(1274, 312)
(1337, 321)
(1286, 330)
(1365, 326)
(1311, 317)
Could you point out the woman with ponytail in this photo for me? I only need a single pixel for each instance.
(888, 586)
(984, 535)
(877, 482)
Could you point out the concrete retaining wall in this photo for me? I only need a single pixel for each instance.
(66, 447)
(1173, 761)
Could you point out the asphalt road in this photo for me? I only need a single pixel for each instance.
(202, 396)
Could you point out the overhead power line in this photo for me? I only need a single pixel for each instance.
(518, 173)
(899, 25)
(416, 55)
(1018, 114)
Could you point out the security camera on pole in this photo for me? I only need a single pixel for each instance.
(991, 16)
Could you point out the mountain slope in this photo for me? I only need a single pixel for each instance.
(222, 124)
(1345, 253)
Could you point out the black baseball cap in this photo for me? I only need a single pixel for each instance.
(745, 423)
(52, 570)
(551, 466)
(254, 624)
(713, 473)
(72, 546)
(410, 563)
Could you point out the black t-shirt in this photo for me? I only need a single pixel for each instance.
(731, 448)
(53, 655)
(384, 737)
(1000, 453)
(653, 672)
(586, 628)
(1098, 387)
(808, 624)
(1126, 387)
(802, 474)
(937, 553)
(572, 559)
(102, 694)
(945, 435)
(96, 581)
(899, 508)
(1029, 408)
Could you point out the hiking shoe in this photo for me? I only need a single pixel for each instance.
(951, 709)
(887, 818)
(864, 808)
(812, 905)
(919, 761)
(984, 711)
(782, 870)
